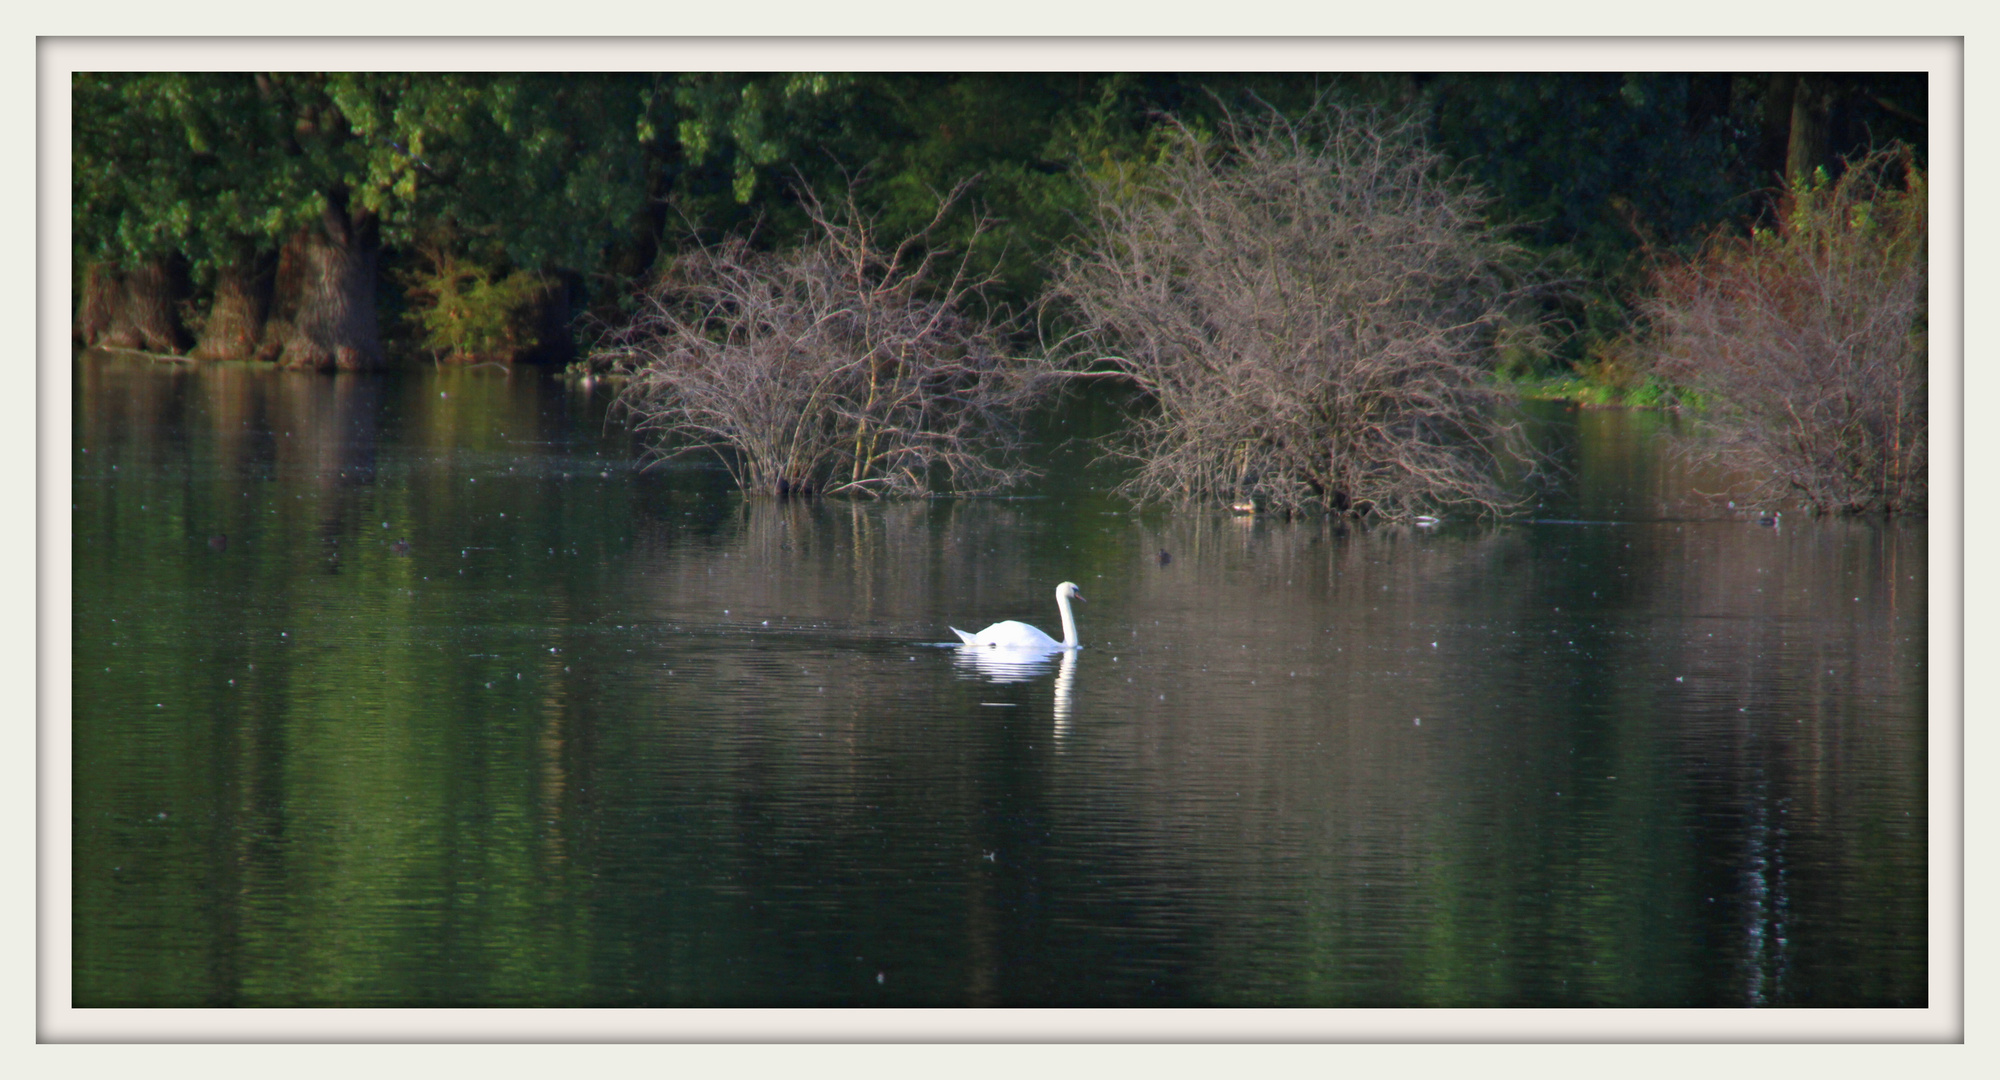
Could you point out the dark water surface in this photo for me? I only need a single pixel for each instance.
(412, 690)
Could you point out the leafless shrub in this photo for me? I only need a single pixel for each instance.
(1309, 305)
(1811, 339)
(843, 366)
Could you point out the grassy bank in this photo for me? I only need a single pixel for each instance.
(1649, 392)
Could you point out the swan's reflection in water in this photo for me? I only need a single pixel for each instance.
(1006, 665)
(1065, 684)
(1020, 665)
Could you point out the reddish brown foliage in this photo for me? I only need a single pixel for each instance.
(1811, 340)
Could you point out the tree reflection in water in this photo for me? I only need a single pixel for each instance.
(599, 736)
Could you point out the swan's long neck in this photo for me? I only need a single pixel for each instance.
(1069, 621)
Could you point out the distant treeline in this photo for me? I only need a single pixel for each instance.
(345, 220)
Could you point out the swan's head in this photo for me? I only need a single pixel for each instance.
(1068, 589)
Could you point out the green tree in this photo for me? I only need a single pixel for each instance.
(1605, 173)
(734, 151)
(157, 180)
(312, 174)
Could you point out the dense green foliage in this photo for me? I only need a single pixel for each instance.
(200, 164)
(216, 170)
(595, 177)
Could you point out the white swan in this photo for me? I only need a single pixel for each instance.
(1021, 637)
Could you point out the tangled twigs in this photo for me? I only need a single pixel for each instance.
(1811, 340)
(1308, 305)
(843, 366)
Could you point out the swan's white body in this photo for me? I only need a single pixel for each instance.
(1020, 637)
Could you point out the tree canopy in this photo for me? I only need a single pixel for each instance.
(197, 164)
(593, 177)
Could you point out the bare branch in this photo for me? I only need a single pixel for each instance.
(1811, 340)
(1308, 304)
(834, 367)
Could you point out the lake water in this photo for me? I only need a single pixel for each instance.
(415, 690)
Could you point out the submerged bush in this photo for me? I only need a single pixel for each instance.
(841, 366)
(1811, 341)
(1310, 306)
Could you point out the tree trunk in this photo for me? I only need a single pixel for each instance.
(553, 315)
(1775, 127)
(96, 303)
(323, 311)
(129, 309)
(1806, 146)
(235, 320)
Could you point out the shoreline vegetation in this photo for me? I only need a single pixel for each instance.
(864, 284)
(1309, 304)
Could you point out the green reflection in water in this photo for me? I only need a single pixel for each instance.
(597, 737)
